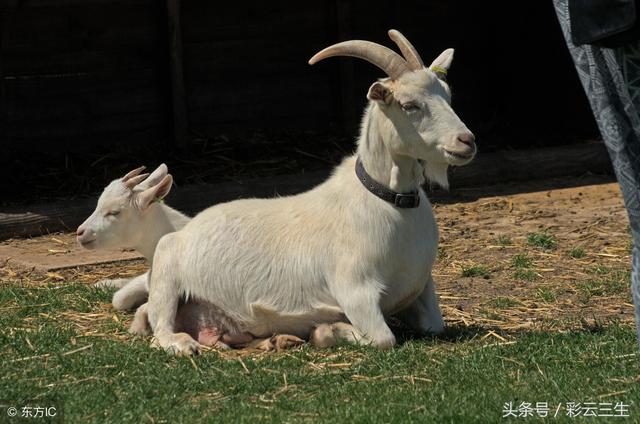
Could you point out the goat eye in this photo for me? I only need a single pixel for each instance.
(410, 106)
(113, 213)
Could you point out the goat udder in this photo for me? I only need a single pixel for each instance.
(209, 336)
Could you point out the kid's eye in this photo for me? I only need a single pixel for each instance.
(410, 106)
(112, 213)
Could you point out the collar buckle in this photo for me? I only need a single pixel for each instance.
(399, 200)
(411, 200)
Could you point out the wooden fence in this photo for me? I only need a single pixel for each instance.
(76, 73)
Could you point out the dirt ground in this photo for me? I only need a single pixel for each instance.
(580, 277)
(512, 257)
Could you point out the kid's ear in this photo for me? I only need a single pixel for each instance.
(157, 192)
(379, 92)
(156, 176)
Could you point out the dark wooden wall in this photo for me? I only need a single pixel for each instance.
(77, 73)
(81, 72)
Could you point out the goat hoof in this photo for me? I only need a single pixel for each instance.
(285, 341)
(178, 344)
(278, 343)
(139, 328)
(322, 336)
(108, 283)
(221, 346)
(386, 342)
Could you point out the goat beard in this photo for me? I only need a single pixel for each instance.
(435, 172)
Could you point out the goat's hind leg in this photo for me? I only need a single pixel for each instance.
(277, 342)
(164, 297)
(140, 324)
(112, 283)
(327, 335)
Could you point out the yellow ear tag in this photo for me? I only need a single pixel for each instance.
(439, 70)
(158, 200)
(389, 98)
(441, 73)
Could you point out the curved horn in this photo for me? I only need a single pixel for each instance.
(134, 181)
(384, 58)
(408, 51)
(133, 173)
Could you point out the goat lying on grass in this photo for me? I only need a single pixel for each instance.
(130, 214)
(358, 247)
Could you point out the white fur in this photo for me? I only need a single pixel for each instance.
(138, 224)
(334, 252)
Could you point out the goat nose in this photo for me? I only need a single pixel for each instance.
(80, 232)
(467, 138)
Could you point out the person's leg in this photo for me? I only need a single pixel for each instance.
(628, 170)
(602, 72)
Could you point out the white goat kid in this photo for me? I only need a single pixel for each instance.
(342, 250)
(129, 215)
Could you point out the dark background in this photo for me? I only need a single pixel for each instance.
(85, 88)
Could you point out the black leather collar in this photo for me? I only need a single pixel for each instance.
(400, 200)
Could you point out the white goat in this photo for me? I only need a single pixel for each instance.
(129, 214)
(359, 247)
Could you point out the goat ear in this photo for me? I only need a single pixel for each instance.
(378, 92)
(152, 194)
(155, 177)
(442, 64)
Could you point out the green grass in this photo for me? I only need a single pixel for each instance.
(504, 240)
(491, 314)
(501, 302)
(522, 260)
(476, 271)
(605, 282)
(107, 376)
(542, 240)
(442, 254)
(547, 294)
(525, 275)
(601, 270)
(523, 264)
(577, 252)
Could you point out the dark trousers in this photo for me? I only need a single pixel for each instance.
(611, 80)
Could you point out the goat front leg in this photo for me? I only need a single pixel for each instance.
(361, 305)
(132, 294)
(424, 313)
(164, 296)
